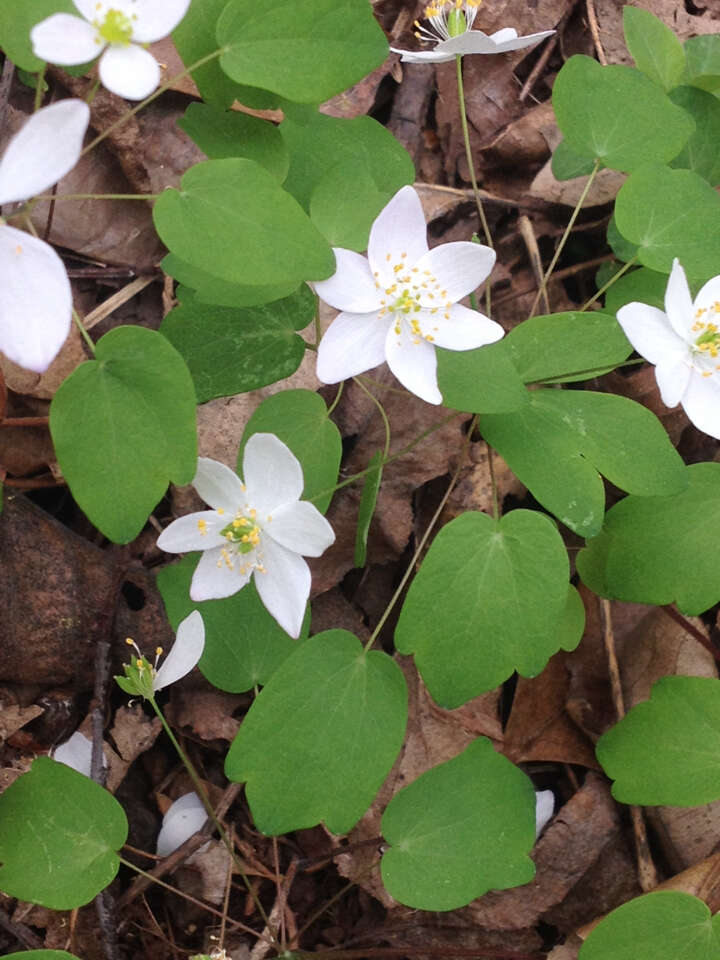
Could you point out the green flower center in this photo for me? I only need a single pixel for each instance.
(456, 22)
(405, 303)
(115, 28)
(243, 532)
(708, 341)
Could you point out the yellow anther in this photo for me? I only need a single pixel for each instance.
(130, 641)
(158, 651)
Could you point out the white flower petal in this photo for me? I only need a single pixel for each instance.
(219, 486)
(414, 363)
(89, 8)
(464, 330)
(544, 806)
(648, 330)
(185, 653)
(214, 579)
(65, 39)
(673, 380)
(424, 56)
(285, 587)
(702, 403)
(130, 72)
(352, 286)
(708, 296)
(678, 302)
(459, 268)
(45, 149)
(155, 19)
(398, 229)
(183, 819)
(76, 753)
(194, 531)
(506, 33)
(300, 527)
(35, 300)
(273, 475)
(475, 41)
(352, 344)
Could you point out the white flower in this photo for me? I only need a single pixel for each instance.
(684, 345)
(115, 28)
(35, 295)
(544, 807)
(144, 680)
(402, 301)
(183, 819)
(259, 527)
(76, 753)
(451, 32)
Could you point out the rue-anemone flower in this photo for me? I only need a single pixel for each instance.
(183, 818)
(143, 679)
(451, 31)
(683, 343)
(117, 29)
(35, 294)
(257, 528)
(402, 301)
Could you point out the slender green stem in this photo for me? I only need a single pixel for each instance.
(611, 281)
(381, 411)
(316, 319)
(563, 239)
(493, 482)
(39, 88)
(83, 332)
(589, 372)
(336, 401)
(153, 96)
(98, 196)
(424, 539)
(200, 789)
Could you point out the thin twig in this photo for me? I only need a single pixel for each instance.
(528, 235)
(595, 31)
(541, 63)
(690, 628)
(117, 300)
(263, 946)
(21, 933)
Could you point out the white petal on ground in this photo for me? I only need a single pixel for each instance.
(184, 534)
(459, 268)
(673, 380)
(702, 403)
(219, 486)
(414, 364)
(155, 20)
(544, 806)
(352, 286)
(130, 72)
(65, 39)
(45, 149)
(272, 473)
(678, 302)
(35, 300)
(185, 653)
(424, 56)
(708, 296)
(648, 330)
(300, 527)
(213, 582)
(183, 819)
(398, 228)
(285, 588)
(465, 330)
(352, 344)
(76, 753)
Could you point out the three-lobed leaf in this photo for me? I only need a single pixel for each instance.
(654, 47)
(702, 150)
(368, 500)
(480, 381)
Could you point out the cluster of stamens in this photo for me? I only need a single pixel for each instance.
(242, 535)
(115, 27)
(708, 340)
(410, 287)
(448, 18)
(141, 663)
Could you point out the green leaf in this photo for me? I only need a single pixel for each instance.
(566, 164)
(671, 213)
(703, 61)
(567, 346)
(244, 645)
(563, 439)
(231, 219)
(40, 955)
(123, 426)
(701, 152)
(300, 419)
(654, 47)
(344, 217)
(620, 246)
(665, 925)
(642, 286)
(321, 737)
(661, 550)
(222, 134)
(321, 147)
(616, 115)
(16, 22)
(232, 351)
(371, 488)
(486, 601)
(483, 380)
(459, 830)
(305, 50)
(667, 750)
(209, 289)
(58, 835)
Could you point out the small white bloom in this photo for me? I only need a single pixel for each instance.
(684, 345)
(451, 31)
(115, 28)
(544, 807)
(76, 753)
(183, 819)
(35, 295)
(144, 680)
(258, 528)
(402, 301)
